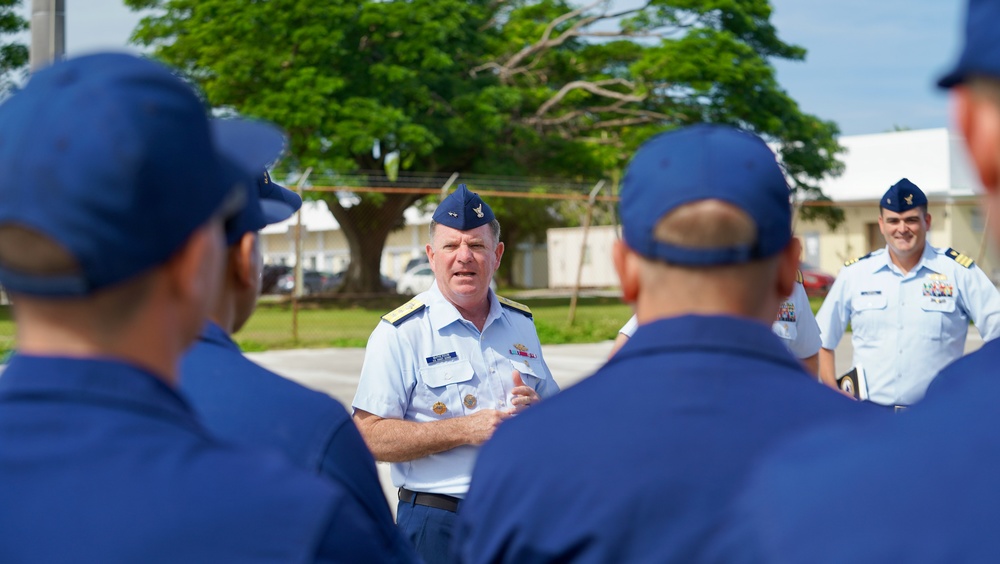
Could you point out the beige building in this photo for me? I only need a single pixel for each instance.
(325, 248)
(934, 160)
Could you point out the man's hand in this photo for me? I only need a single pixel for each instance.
(524, 396)
(482, 424)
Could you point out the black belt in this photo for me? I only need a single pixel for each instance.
(437, 501)
(894, 408)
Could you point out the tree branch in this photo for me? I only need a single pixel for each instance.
(593, 88)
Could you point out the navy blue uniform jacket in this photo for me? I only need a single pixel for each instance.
(240, 401)
(103, 462)
(639, 462)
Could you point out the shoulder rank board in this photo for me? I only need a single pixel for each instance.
(854, 260)
(958, 257)
(798, 276)
(511, 304)
(404, 312)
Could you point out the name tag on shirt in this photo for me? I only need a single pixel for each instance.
(446, 357)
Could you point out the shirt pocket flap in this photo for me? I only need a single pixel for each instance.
(448, 373)
(526, 369)
(942, 305)
(862, 302)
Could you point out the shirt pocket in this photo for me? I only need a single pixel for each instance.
(939, 319)
(787, 330)
(438, 395)
(868, 316)
(529, 376)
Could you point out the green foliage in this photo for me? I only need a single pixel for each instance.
(13, 56)
(524, 87)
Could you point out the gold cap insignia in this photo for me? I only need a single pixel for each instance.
(908, 200)
(479, 210)
(440, 408)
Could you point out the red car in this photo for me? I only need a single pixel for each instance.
(815, 281)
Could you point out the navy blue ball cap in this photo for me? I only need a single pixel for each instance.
(267, 202)
(463, 210)
(903, 196)
(705, 162)
(981, 51)
(115, 159)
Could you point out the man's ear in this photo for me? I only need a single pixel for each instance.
(788, 267)
(627, 266)
(979, 121)
(241, 259)
(499, 252)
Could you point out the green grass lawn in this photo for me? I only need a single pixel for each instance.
(336, 325)
(321, 325)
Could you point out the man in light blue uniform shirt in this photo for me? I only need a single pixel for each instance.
(909, 305)
(444, 370)
(111, 239)
(243, 402)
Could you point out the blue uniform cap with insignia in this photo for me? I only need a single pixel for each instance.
(981, 52)
(267, 202)
(116, 161)
(903, 196)
(705, 162)
(463, 210)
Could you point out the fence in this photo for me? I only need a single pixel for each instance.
(329, 301)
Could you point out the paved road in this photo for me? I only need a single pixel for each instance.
(335, 371)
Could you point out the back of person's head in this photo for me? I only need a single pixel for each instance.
(267, 202)
(707, 223)
(975, 84)
(113, 174)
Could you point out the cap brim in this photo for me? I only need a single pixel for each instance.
(252, 144)
(954, 78)
(275, 211)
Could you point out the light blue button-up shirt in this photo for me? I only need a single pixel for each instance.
(435, 365)
(907, 327)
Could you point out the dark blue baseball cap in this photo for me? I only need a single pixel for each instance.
(463, 210)
(267, 202)
(705, 162)
(981, 52)
(903, 196)
(114, 158)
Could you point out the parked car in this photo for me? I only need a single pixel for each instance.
(815, 281)
(415, 262)
(270, 275)
(313, 282)
(387, 283)
(420, 278)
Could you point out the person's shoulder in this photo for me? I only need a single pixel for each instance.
(955, 258)
(409, 310)
(511, 306)
(860, 260)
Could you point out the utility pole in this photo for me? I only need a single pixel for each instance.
(48, 32)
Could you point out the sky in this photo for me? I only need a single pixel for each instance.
(870, 67)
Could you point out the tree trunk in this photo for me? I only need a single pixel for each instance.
(366, 225)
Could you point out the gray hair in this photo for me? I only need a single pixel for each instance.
(494, 229)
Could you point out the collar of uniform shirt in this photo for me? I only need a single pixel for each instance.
(213, 333)
(443, 313)
(926, 261)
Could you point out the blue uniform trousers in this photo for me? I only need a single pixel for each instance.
(428, 528)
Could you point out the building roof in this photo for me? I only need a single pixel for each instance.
(933, 159)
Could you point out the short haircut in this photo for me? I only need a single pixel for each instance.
(494, 229)
(29, 252)
(707, 224)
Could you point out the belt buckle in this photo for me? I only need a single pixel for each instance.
(898, 408)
